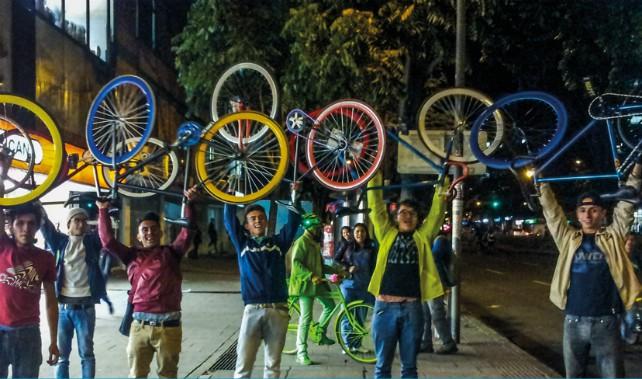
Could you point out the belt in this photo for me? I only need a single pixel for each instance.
(162, 324)
(271, 305)
(75, 306)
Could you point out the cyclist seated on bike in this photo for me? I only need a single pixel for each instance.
(594, 278)
(308, 283)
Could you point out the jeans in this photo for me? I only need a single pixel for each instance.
(269, 325)
(145, 340)
(20, 348)
(350, 295)
(581, 334)
(305, 319)
(395, 323)
(435, 313)
(83, 321)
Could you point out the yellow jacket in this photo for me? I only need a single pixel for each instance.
(609, 239)
(386, 233)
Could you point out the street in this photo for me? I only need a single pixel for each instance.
(509, 292)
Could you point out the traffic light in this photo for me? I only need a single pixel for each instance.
(495, 204)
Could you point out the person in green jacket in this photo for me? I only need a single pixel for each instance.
(405, 275)
(307, 282)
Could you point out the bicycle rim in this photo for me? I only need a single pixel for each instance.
(157, 174)
(534, 124)
(293, 327)
(453, 111)
(30, 133)
(346, 145)
(248, 86)
(355, 335)
(125, 108)
(630, 128)
(244, 171)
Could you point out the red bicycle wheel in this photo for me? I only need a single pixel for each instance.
(346, 145)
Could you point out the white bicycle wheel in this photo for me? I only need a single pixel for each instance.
(157, 174)
(453, 111)
(245, 86)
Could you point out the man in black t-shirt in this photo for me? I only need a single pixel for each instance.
(594, 280)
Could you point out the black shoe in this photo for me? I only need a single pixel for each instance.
(444, 350)
(426, 349)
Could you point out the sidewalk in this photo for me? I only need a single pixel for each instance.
(212, 309)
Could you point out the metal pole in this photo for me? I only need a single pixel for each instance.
(458, 202)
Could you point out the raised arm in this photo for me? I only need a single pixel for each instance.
(435, 217)
(379, 214)
(106, 234)
(623, 212)
(288, 231)
(53, 237)
(556, 220)
(233, 227)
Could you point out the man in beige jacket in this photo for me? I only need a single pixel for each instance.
(594, 281)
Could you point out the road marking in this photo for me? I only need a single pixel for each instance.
(495, 272)
(542, 283)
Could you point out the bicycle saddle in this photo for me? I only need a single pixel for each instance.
(624, 193)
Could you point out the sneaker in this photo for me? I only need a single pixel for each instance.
(303, 360)
(324, 340)
(360, 350)
(450, 349)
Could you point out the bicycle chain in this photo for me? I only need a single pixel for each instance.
(621, 95)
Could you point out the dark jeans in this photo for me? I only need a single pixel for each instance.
(83, 322)
(20, 348)
(581, 334)
(395, 323)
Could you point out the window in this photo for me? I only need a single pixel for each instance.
(76, 19)
(52, 10)
(98, 28)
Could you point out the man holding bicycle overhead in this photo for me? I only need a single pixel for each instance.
(263, 286)
(155, 276)
(404, 276)
(80, 285)
(594, 281)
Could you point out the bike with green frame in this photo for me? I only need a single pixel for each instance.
(352, 327)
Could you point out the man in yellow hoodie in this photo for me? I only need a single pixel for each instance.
(404, 276)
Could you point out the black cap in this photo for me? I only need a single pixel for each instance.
(150, 216)
(590, 198)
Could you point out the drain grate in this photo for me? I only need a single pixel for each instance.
(227, 360)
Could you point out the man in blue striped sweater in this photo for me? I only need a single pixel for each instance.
(263, 286)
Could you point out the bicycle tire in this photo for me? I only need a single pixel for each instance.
(352, 136)
(293, 327)
(250, 82)
(534, 125)
(41, 164)
(242, 172)
(630, 128)
(127, 104)
(449, 111)
(360, 334)
(157, 174)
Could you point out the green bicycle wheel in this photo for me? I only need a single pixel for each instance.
(353, 329)
(293, 326)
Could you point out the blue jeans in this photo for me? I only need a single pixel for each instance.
(581, 334)
(392, 323)
(83, 321)
(435, 313)
(22, 349)
(350, 295)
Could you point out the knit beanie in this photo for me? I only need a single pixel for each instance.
(75, 212)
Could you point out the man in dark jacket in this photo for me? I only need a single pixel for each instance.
(155, 276)
(79, 286)
(263, 286)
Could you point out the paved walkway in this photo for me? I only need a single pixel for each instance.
(212, 310)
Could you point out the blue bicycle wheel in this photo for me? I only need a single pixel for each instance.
(533, 125)
(124, 108)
